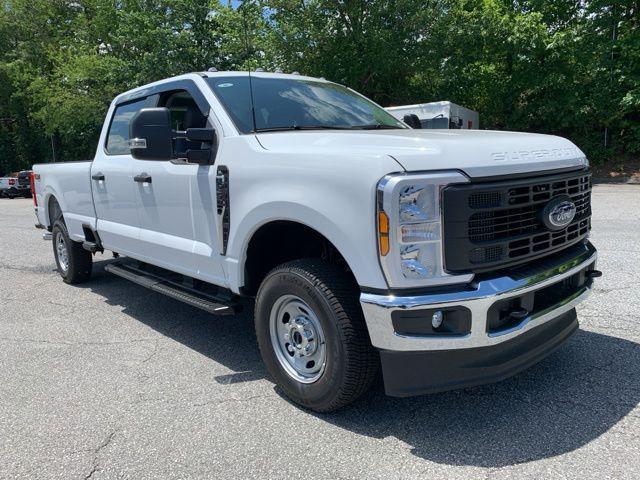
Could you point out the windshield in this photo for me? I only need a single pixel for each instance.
(296, 104)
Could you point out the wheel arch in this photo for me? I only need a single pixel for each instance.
(53, 209)
(272, 241)
(281, 240)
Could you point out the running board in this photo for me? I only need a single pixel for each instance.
(155, 280)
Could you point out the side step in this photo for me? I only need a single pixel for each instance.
(165, 282)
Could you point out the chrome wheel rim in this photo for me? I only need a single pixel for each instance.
(298, 339)
(61, 249)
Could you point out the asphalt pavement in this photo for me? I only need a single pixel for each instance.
(107, 380)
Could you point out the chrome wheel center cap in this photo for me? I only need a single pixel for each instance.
(301, 337)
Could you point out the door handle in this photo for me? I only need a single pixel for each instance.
(98, 176)
(142, 178)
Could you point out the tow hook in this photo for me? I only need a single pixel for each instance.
(593, 273)
(47, 236)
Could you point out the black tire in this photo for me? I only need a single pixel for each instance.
(351, 361)
(79, 261)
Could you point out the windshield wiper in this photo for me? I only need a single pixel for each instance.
(300, 127)
(375, 126)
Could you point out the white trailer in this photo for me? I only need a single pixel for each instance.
(439, 115)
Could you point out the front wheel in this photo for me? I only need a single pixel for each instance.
(312, 335)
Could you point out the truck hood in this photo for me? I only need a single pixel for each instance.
(478, 153)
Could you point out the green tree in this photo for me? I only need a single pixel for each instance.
(567, 67)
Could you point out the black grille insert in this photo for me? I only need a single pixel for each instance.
(489, 225)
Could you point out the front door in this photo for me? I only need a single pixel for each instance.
(174, 230)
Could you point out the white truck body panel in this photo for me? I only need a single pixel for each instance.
(70, 184)
(301, 183)
(478, 153)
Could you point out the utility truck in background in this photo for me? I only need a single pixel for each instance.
(447, 258)
(437, 115)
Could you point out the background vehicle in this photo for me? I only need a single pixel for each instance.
(439, 115)
(450, 258)
(5, 184)
(16, 185)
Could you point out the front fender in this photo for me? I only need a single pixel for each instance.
(359, 260)
(331, 192)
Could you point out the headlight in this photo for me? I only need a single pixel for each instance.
(410, 229)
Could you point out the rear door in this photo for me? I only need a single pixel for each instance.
(112, 182)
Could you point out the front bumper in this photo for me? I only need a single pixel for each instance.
(414, 364)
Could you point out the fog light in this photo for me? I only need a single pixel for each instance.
(436, 319)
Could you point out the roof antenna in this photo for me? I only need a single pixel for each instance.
(253, 105)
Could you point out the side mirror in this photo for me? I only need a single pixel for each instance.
(150, 134)
(202, 135)
(207, 135)
(412, 120)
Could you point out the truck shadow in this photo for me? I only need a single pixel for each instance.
(559, 405)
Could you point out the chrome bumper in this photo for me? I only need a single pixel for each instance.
(378, 308)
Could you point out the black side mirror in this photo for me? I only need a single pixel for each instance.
(203, 135)
(150, 134)
(207, 135)
(412, 120)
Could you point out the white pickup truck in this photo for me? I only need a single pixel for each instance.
(447, 258)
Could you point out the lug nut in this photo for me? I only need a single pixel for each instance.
(436, 319)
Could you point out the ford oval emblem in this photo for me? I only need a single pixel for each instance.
(558, 213)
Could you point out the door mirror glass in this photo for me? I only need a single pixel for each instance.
(201, 142)
(207, 135)
(150, 134)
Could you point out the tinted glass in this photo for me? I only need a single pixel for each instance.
(185, 114)
(297, 104)
(118, 137)
(234, 93)
(184, 111)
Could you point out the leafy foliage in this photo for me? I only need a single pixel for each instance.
(569, 67)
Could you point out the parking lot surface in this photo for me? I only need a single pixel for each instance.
(109, 380)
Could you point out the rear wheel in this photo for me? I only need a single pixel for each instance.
(312, 335)
(74, 262)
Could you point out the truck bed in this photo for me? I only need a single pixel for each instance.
(70, 183)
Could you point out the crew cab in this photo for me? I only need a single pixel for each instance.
(447, 258)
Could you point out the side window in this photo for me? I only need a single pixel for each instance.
(185, 113)
(118, 136)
